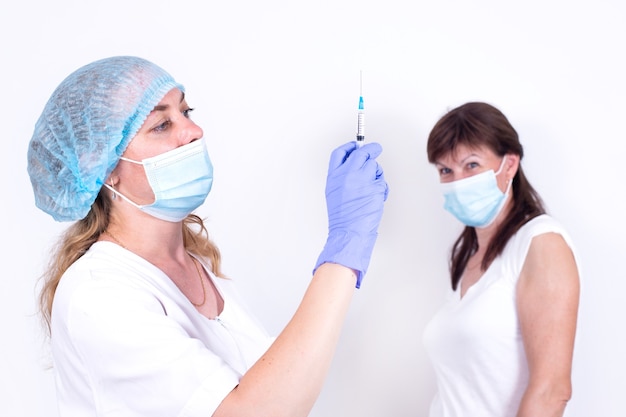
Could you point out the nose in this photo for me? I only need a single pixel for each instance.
(190, 132)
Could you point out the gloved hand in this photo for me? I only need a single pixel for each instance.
(355, 194)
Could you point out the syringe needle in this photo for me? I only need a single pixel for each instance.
(361, 83)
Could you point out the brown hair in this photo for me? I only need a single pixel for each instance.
(79, 237)
(475, 125)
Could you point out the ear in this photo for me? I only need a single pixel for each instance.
(511, 165)
(112, 179)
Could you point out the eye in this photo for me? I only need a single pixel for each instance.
(472, 165)
(187, 112)
(444, 171)
(162, 126)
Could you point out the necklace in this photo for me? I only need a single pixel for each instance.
(116, 240)
(195, 263)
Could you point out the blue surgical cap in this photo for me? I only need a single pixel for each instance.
(86, 126)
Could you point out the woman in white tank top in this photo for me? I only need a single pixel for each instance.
(502, 343)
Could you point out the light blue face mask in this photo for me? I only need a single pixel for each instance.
(477, 200)
(180, 179)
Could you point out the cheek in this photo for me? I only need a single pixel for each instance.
(503, 183)
(134, 184)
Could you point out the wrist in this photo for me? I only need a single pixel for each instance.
(350, 249)
(337, 271)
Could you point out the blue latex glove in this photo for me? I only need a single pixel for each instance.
(355, 194)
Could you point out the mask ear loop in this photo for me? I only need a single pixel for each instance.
(114, 193)
(501, 165)
(509, 182)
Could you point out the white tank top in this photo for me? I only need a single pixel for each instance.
(475, 342)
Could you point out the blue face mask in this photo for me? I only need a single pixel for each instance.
(180, 180)
(477, 200)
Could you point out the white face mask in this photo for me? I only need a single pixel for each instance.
(477, 200)
(180, 179)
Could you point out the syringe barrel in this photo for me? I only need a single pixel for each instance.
(360, 124)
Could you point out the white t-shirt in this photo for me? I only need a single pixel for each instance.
(126, 342)
(475, 342)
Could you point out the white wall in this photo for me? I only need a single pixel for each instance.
(275, 84)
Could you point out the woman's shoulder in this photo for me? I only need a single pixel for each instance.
(109, 278)
(107, 268)
(109, 259)
(518, 246)
(540, 225)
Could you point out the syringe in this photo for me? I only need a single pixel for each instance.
(360, 125)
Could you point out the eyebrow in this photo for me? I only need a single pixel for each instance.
(468, 157)
(163, 107)
(462, 161)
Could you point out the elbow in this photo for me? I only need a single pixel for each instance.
(552, 398)
(561, 397)
(561, 392)
(567, 393)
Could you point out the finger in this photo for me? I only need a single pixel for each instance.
(386, 190)
(360, 156)
(370, 170)
(339, 155)
(380, 180)
(379, 171)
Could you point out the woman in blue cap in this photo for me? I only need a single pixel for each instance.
(141, 321)
(502, 343)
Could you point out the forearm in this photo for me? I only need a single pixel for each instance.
(287, 379)
(548, 401)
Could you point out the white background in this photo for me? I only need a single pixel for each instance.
(276, 85)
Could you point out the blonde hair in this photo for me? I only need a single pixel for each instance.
(79, 237)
